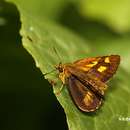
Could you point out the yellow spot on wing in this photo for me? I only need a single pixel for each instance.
(95, 62)
(88, 66)
(107, 60)
(88, 99)
(92, 64)
(84, 68)
(102, 68)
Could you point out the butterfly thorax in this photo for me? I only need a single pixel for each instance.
(63, 71)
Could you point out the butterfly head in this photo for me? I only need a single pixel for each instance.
(63, 72)
(60, 67)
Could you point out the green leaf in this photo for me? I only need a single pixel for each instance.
(41, 38)
(114, 13)
(42, 7)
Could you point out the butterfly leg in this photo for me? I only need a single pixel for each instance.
(59, 91)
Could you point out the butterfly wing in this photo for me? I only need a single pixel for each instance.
(90, 81)
(97, 75)
(87, 63)
(84, 99)
(101, 67)
(105, 68)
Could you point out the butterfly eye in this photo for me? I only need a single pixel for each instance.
(60, 70)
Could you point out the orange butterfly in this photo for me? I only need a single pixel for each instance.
(86, 79)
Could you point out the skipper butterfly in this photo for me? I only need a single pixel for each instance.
(86, 80)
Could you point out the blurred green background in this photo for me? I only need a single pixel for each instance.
(26, 98)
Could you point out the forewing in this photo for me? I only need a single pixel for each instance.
(101, 67)
(105, 68)
(84, 99)
(87, 63)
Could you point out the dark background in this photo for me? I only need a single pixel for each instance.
(26, 98)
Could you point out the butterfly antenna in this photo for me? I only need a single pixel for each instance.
(56, 52)
(49, 72)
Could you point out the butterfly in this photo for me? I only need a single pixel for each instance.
(86, 79)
